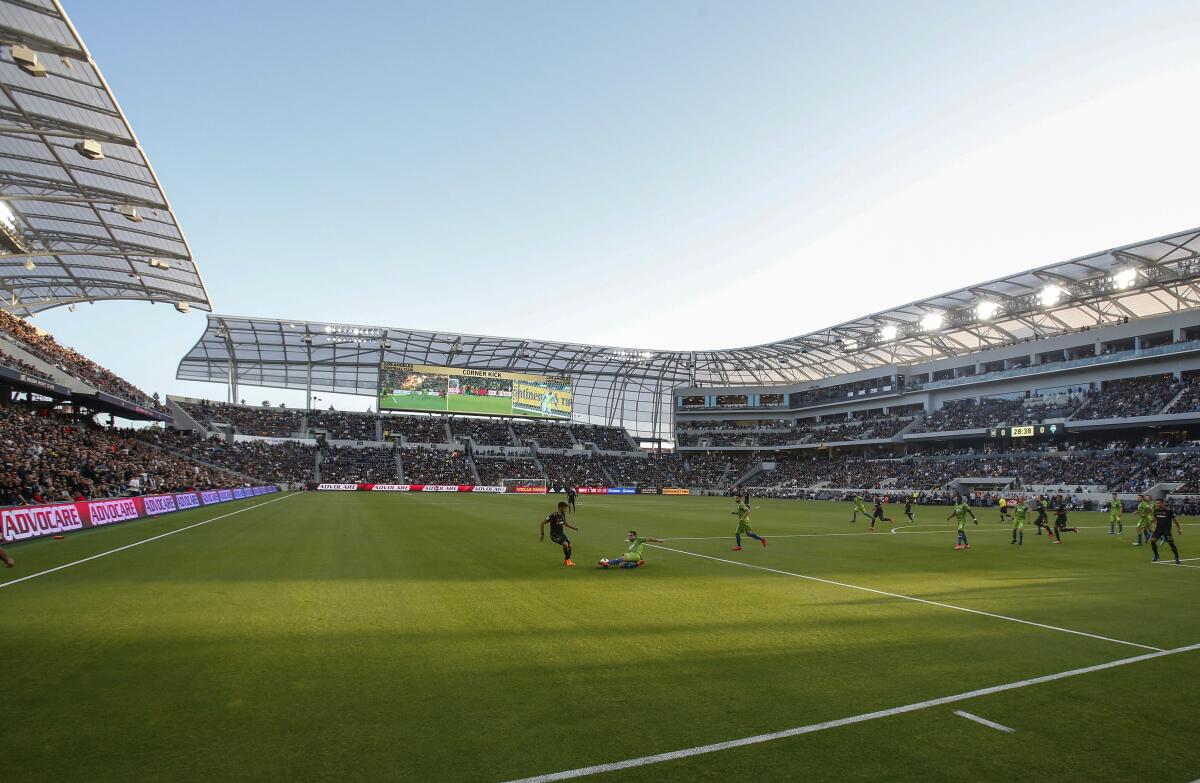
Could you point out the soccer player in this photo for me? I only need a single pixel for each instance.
(633, 554)
(908, 512)
(571, 497)
(1060, 519)
(1114, 516)
(876, 514)
(1145, 514)
(558, 521)
(4, 558)
(1019, 515)
(961, 510)
(1163, 517)
(743, 515)
(1042, 520)
(1003, 509)
(859, 508)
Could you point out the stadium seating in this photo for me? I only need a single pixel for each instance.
(289, 462)
(493, 470)
(605, 438)
(73, 363)
(648, 471)
(246, 419)
(436, 466)
(348, 465)
(971, 415)
(416, 429)
(1128, 397)
(14, 363)
(574, 470)
(548, 436)
(340, 425)
(485, 432)
(49, 457)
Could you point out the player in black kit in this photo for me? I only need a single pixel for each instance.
(558, 521)
(1163, 517)
(571, 498)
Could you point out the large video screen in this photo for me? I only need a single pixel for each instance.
(421, 387)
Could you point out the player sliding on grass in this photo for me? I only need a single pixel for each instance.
(1145, 515)
(859, 508)
(961, 509)
(1020, 512)
(743, 515)
(877, 514)
(558, 521)
(1114, 516)
(1163, 517)
(633, 554)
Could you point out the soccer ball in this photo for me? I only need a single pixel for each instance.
(604, 560)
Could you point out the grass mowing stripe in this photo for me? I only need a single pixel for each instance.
(12, 582)
(991, 724)
(674, 755)
(910, 598)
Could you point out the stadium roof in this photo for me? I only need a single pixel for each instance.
(82, 214)
(632, 386)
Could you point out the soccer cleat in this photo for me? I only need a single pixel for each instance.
(1055, 541)
(641, 563)
(569, 563)
(958, 546)
(1137, 543)
(966, 546)
(9, 562)
(737, 549)
(1178, 561)
(603, 564)
(764, 541)
(1155, 560)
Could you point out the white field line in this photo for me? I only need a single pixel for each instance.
(983, 721)
(1173, 563)
(699, 750)
(12, 582)
(909, 598)
(901, 530)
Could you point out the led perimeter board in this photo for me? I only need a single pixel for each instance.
(423, 387)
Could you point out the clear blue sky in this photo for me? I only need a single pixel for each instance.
(665, 175)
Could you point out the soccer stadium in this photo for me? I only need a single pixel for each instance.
(946, 540)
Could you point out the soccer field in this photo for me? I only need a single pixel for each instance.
(357, 637)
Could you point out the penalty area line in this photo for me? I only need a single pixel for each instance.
(909, 598)
(700, 750)
(983, 721)
(26, 578)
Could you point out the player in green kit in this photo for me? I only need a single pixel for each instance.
(1145, 515)
(633, 554)
(743, 515)
(1020, 512)
(961, 510)
(1114, 516)
(859, 508)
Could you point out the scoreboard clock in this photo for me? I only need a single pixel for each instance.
(1029, 431)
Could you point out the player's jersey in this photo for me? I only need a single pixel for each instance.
(1060, 514)
(571, 493)
(878, 510)
(1145, 512)
(556, 521)
(908, 507)
(1043, 507)
(634, 552)
(960, 512)
(1114, 510)
(1003, 503)
(858, 504)
(1163, 517)
(743, 512)
(1020, 513)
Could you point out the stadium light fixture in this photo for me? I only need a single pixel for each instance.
(131, 214)
(1125, 278)
(1051, 295)
(27, 60)
(932, 321)
(90, 149)
(29, 265)
(850, 345)
(183, 307)
(986, 310)
(10, 234)
(889, 332)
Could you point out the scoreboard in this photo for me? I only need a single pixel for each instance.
(1029, 432)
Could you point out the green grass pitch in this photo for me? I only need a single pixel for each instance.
(491, 406)
(355, 637)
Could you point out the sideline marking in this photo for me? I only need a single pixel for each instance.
(699, 750)
(910, 598)
(12, 582)
(983, 721)
(1173, 563)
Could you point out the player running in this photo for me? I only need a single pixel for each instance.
(859, 508)
(1114, 516)
(1163, 517)
(1145, 516)
(743, 515)
(961, 510)
(1060, 520)
(1020, 513)
(1042, 520)
(877, 514)
(633, 554)
(558, 521)
(571, 498)
(1003, 510)
(908, 512)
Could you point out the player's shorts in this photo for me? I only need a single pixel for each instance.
(559, 539)
(1017, 524)
(743, 527)
(1163, 533)
(878, 514)
(1143, 524)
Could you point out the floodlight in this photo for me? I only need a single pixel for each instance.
(850, 345)
(932, 321)
(90, 149)
(27, 60)
(889, 332)
(182, 307)
(1051, 295)
(1125, 278)
(130, 213)
(986, 309)
(30, 265)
